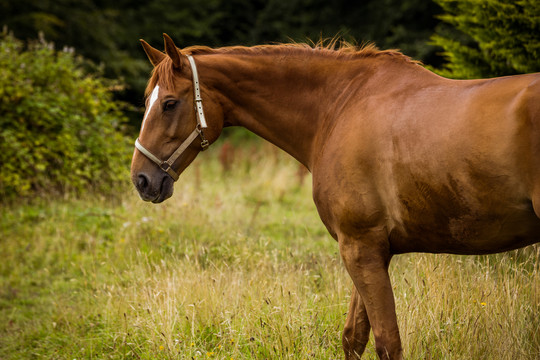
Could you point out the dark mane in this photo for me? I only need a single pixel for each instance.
(164, 72)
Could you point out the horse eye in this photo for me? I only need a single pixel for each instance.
(169, 105)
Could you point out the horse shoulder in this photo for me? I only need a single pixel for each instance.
(345, 191)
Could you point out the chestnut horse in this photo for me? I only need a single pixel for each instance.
(402, 160)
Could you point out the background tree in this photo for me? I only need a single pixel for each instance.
(60, 130)
(107, 32)
(489, 38)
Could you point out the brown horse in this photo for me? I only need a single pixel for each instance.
(402, 160)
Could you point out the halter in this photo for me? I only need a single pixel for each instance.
(201, 124)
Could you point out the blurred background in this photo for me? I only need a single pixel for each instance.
(99, 40)
(107, 32)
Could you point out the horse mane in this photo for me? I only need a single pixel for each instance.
(164, 71)
(332, 47)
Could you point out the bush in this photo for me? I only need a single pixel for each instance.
(59, 126)
(493, 37)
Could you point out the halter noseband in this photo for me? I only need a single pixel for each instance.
(201, 124)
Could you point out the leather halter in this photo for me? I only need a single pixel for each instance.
(166, 165)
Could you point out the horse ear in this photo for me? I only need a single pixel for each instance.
(172, 51)
(154, 55)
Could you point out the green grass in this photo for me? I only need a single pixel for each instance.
(237, 265)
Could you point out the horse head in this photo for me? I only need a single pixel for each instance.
(174, 128)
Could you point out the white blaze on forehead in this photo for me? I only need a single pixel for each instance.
(153, 99)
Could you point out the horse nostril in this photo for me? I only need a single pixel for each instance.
(142, 182)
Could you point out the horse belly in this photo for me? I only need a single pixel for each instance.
(464, 187)
(445, 222)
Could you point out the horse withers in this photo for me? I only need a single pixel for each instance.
(402, 160)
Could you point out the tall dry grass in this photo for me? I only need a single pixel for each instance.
(236, 265)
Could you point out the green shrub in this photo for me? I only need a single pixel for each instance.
(489, 37)
(60, 129)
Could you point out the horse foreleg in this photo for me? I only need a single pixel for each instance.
(356, 331)
(366, 259)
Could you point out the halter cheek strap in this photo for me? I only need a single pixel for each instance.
(166, 165)
(201, 120)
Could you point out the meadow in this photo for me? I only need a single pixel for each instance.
(237, 265)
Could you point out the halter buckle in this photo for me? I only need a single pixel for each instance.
(204, 144)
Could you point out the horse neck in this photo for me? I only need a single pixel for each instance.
(287, 100)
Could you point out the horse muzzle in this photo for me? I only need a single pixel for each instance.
(155, 189)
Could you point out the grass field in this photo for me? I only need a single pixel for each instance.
(237, 265)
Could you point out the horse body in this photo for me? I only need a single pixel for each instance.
(445, 166)
(402, 159)
(425, 164)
